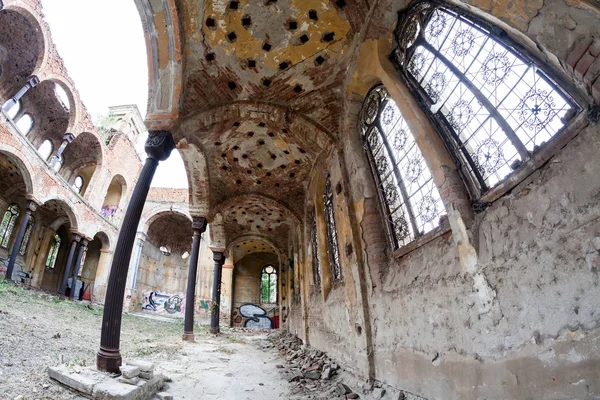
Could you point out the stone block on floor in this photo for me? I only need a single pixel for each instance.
(129, 371)
(112, 389)
(164, 396)
(144, 366)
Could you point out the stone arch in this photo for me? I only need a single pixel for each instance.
(75, 109)
(24, 168)
(196, 168)
(230, 202)
(161, 211)
(208, 120)
(62, 205)
(261, 238)
(164, 75)
(105, 239)
(84, 156)
(39, 45)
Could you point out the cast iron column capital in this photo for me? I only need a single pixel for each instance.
(159, 145)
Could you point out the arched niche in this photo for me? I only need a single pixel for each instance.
(82, 158)
(113, 198)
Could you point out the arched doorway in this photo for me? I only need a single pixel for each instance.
(95, 260)
(256, 283)
(57, 223)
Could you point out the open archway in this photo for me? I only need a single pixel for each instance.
(95, 259)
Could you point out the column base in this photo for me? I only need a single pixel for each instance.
(188, 337)
(215, 331)
(109, 360)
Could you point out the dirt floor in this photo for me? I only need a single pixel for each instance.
(38, 330)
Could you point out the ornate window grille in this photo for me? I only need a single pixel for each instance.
(53, 252)
(27, 236)
(316, 265)
(409, 197)
(494, 105)
(8, 224)
(333, 249)
(268, 285)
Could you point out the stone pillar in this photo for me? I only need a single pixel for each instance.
(32, 82)
(67, 138)
(82, 250)
(30, 208)
(158, 148)
(219, 259)
(75, 240)
(199, 226)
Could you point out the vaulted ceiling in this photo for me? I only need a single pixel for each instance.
(257, 87)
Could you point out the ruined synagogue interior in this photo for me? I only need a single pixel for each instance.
(385, 199)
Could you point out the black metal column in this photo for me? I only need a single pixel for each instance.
(75, 240)
(30, 208)
(199, 226)
(158, 148)
(82, 249)
(219, 259)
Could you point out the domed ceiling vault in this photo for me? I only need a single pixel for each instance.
(259, 89)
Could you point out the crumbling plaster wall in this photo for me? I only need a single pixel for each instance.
(525, 325)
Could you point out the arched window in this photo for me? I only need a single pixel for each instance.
(78, 184)
(27, 236)
(12, 113)
(45, 149)
(58, 165)
(53, 252)
(8, 224)
(494, 106)
(24, 124)
(314, 240)
(62, 97)
(333, 249)
(268, 285)
(409, 197)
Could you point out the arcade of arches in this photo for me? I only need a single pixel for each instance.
(411, 187)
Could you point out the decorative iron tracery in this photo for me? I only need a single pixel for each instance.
(333, 249)
(8, 224)
(314, 240)
(268, 285)
(27, 235)
(53, 252)
(493, 104)
(409, 197)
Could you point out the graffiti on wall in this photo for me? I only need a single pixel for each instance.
(256, 316)
(204, 305)
(163, 302)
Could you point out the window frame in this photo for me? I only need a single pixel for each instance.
(79, 188)
(316, 262)
(269, 280)
(53, 251)
(16, 122)
(10, 225)
(333, 248)
(401, 55)
(414, 237)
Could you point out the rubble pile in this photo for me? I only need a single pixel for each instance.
(314, 375)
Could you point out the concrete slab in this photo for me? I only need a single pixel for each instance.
(129, 371)
(82, 381)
